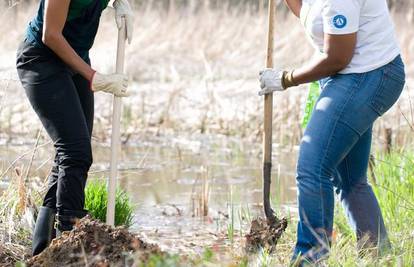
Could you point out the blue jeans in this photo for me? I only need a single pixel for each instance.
(335, 151)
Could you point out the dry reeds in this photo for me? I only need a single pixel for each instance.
(194, 68)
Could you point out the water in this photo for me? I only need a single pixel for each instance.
(174, 181)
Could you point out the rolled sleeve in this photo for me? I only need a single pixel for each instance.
(341, 17)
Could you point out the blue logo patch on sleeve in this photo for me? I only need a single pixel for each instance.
(340, 21)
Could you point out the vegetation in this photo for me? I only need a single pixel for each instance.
(96, 200)
(394, 187)
(193, 70)
(195, 65)
(399, 5)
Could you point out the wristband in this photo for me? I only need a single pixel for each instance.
(287, 79)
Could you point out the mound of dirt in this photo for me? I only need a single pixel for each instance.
(264, 235)
(93, 243)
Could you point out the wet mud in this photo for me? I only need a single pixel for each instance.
(265, 235)
(92, 243)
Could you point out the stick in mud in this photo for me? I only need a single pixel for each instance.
(265, 233)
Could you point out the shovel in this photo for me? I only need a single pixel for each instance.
(265, 233)
(268, 116)
(116, 134)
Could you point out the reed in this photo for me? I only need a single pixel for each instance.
(194, 69)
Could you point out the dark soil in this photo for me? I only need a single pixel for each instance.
(92, 243)
(10, 255)
(6, 259)
(264, 235)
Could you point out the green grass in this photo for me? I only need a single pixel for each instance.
(162, 261)
(96, 199)
(395, 192)
(230, 225)
(394, 188)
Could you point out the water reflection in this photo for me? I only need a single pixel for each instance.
(174, 181)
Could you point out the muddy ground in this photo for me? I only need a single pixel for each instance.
(10, 254)
(264, 234)
(92, 243)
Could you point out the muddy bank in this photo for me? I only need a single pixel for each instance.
(92, 243)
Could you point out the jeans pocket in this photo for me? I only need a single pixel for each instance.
(390, 89)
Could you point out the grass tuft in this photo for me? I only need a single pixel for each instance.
(394, 189)
(96, 199)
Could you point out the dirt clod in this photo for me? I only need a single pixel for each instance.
(93, 243)
(264, 234)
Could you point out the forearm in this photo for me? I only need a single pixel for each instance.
(317, 69)
(59, 45)
(338, 53)
(271, 80)
(54, 21)
(294, 6)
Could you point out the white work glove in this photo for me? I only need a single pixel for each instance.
(116, 84)
(270, 81)
(123, 9)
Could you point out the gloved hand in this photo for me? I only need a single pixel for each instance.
(272, 80)
(123, 9)
(116, 84)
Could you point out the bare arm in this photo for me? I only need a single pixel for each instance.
(339, 50)
(294, 6)
(54, 20)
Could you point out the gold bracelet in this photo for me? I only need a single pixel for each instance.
(287, 79)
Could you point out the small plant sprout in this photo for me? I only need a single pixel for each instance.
(230, 225)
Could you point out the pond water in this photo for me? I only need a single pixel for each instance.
(187, 190)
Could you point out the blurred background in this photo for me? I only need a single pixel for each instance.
(194, 66)
(191, 131)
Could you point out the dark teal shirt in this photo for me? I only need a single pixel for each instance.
(80, 28)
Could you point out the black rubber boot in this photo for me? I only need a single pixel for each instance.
(65, 220)
(44, 230)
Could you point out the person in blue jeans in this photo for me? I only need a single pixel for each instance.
(361, 75)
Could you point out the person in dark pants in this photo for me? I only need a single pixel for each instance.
(54, 68)
(362, 75)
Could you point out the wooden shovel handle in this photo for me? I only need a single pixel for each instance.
(116, 130)
(268, 100)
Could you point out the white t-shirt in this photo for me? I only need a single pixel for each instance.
(376, 45)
